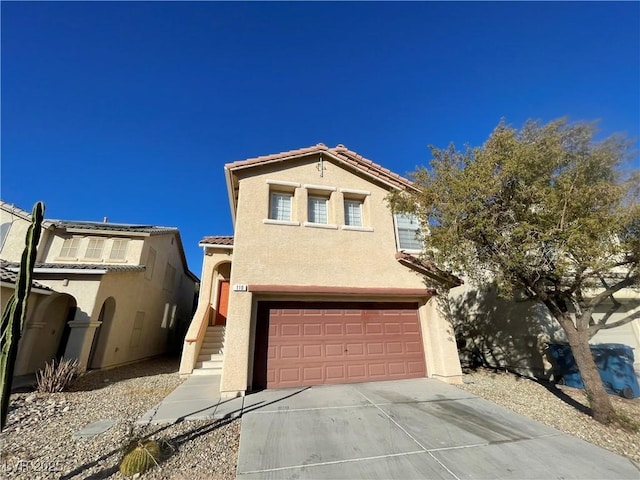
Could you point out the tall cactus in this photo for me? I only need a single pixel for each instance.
(14, 314)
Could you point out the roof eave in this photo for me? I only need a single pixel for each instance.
(232, 198)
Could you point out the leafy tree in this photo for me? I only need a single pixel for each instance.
(546, 211)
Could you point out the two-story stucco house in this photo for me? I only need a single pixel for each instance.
(318, 284)
(107, 294)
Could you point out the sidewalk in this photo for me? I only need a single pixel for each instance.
(198, 398)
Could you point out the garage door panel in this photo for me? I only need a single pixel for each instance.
(312, 351)
(312, 329)
(375, 348)
(312, 375)
(333, 350)
(374, 328)
(289, 352)
(333, 329)
(311, 347)
(335, 373)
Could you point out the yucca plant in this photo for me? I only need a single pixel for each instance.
(15, 312)
(57, 376)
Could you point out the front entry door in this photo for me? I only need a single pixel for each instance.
(223, 303)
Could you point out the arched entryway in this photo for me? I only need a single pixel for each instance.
(101, 336)
(46, 334)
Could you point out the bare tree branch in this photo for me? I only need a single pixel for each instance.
(628, 319)
(598, 299)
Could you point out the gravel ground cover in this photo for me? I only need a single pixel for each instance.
(38, 441)
(561, 407)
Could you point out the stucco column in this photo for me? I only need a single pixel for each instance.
(238, 333)
(27, 343)
(80, 341)
(441, 351)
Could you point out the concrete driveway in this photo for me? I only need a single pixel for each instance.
(407, 429)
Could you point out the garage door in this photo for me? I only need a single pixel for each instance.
(324, 343)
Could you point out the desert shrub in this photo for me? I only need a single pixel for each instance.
(57, 376)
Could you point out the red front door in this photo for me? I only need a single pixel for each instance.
(223, 303)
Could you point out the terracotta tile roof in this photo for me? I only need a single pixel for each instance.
(8, 276)
(340, 153)
(83, 266)
(428, 269)
(218, 240)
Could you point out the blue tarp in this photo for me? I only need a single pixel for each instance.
(614, 362)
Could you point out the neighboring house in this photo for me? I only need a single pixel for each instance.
(107, 294)
(318, 284)
(503, 333)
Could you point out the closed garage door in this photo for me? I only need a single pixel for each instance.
(324, 343)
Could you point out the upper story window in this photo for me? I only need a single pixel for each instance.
(119, 249)
(280, 206)
(4, 233)
(408, 232)
(353, 213)
(70, 247)
(94, 249)
(317, 209)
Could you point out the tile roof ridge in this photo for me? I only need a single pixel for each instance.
(359, 158)
(274, 156)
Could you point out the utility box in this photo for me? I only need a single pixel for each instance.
(614, 362)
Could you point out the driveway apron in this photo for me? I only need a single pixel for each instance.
(407, 429)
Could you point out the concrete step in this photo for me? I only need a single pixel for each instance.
(207, 371)
(210, 351)
(209, 364)
(213, 338)
(210, 357)
(211, 344)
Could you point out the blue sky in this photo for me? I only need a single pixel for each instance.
(130, 110)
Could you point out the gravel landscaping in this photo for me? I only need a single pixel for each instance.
(39, 441)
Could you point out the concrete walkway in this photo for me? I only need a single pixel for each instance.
(197, 398)
(407, 429)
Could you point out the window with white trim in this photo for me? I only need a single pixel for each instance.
(280, 206)
(353, 213)
(408, 231)
(70, 247)
(317, 209)
(119, 249)
(94, 249)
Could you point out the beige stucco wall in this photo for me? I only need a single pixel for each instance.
(267, 253)
(514, 334)
(14, 244)
(304, 255)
